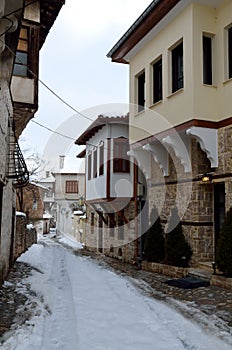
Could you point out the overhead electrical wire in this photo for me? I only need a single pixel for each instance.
(51, 91)
(53, 131)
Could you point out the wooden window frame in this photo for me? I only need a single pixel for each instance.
(120, 226)
(95, 163)
(92, 222)
(141, 84)
(121, 161)
(111, 223)
(19, 63)
(177, 67)
(89, 166)
(71, 186)
(229, 30)
(157, 80)
(101, 159)
(207, 60)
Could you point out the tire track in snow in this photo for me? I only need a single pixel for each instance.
(63, 313)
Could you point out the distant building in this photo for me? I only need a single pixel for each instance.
(69, 195)
(111, 180)
(29, 200)
(48, 181)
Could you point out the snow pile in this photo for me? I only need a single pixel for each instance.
(30, 226)
(81, 305)
(70, 241)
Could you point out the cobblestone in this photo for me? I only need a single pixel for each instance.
(211, 301)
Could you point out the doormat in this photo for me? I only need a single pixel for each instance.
(188, 283)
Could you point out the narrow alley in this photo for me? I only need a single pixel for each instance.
(77, 303)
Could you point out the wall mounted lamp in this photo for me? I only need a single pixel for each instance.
(206, 178)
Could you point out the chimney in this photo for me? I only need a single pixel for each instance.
(62, 162)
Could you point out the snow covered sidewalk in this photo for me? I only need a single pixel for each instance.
(80, 305)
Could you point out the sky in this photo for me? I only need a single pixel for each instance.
(73, 63)
(76, 303)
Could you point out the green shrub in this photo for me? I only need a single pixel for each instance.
(224, 246)
(154, 239)
(178, 251)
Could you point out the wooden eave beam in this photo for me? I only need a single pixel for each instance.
(162, 8)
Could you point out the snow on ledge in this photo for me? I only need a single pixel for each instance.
(19, 213)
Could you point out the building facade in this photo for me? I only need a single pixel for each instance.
(110, 188)
(180, 57)
(24, 26)
(68, 197)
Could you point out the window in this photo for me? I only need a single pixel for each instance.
(121, 162)
(71, 186)
(230, 52)
(207, 60)
(95, 163)
(101, 159)
(21, 60)
(92, 223)
(177, 68)
(141, 92)
(111, 224)
(157, 81)
(120, 225)
(89, 166)
(34, 205)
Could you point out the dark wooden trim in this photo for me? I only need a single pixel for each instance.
(108, 200)
(194, 122)
(122, 216)
(100, 213)
(140, 30)
(108, 173)
(196, 179)
(192, 223)
(136, 254)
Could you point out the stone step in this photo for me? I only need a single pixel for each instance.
(200, 273)
(205, 265)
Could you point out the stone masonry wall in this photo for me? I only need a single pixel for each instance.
(6, 113)
(113, 243)
(194, 201)
(197, 216)
(24, 236)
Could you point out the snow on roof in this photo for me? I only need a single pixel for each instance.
(19, 213)
(47, 216)
(78, 212)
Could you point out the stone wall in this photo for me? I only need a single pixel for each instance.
(197, 212)
(24, 236)
(6, 192)
(118, 241)
(172, 271)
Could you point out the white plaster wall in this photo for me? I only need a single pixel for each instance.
(23, 89)
(195, 100)
(121, 183)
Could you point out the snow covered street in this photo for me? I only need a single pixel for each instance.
(80, 305)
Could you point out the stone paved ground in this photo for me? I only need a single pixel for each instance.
(11, 299)
(209, 306)
(206, 305)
